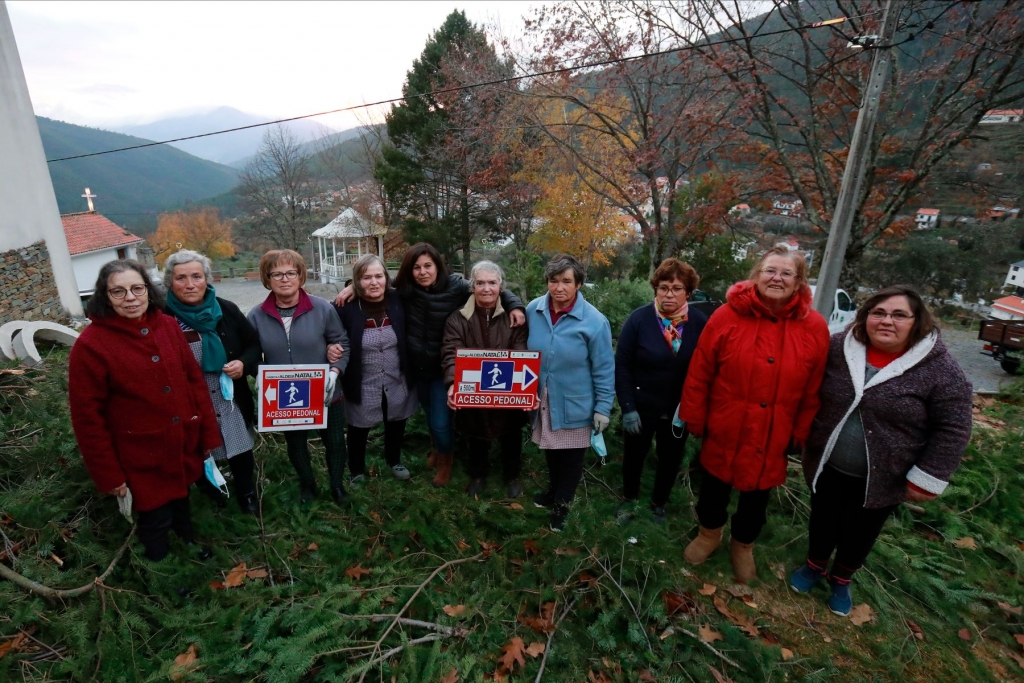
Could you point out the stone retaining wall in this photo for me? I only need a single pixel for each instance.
(27, 288)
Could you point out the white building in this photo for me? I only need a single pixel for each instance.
(94, 240)
(1008, 308)
(342, 241)
(784, 205)
(1015, 276)
(926, 219)
(1002, 116)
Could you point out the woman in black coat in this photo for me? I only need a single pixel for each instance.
(653, 354)
(228, 349)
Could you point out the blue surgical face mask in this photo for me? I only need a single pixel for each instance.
(227, 387)
(597, 443)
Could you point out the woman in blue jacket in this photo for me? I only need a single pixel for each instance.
(655, 346)
(577, 380)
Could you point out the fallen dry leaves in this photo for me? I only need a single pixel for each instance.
(707, 589)
(357, 572)
(964, 634)
(235, 577)
(451, 677)
(719, 676)
(967, 543)
(1009, 609)
(646, 676)
(915, 629)
(599, 677)
(787, 654)
(708, 634)
(677, 603)
(184, 663)
(531, 547)
(535, 649)
(545, 623)
(13, 645)
(454, 610)
(516, 506)
(861, 614)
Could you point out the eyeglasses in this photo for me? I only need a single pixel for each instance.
(287, 275)
(880, 314)
(772, 272)
(121, 292)
(676, 291)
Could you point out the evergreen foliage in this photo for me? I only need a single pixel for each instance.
(631, 596)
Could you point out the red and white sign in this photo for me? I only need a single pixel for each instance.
(291, 397)
(496, 378)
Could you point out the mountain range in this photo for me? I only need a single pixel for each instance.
(233, 148)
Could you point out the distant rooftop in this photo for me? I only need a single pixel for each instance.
(89, 231)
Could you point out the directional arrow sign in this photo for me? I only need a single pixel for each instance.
(271, 394)
(496, 378)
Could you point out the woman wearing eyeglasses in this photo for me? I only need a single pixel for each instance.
(653, 354)
(895, 421)
(751, 393)
(297, 328)
(140, 408)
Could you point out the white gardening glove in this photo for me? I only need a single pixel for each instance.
(332, 379)
(600, 422)
(124, 504)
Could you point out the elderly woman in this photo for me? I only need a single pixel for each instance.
(895, 421)
(483, 324)
(651, 359)
(297, 328)
(140, 408)
(227, 349)
(431, 293)
(376, 384)
(751, 393)
(577, 380)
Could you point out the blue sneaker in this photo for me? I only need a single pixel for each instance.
(804, 579)
(840, 602)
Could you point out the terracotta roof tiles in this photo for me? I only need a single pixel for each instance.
(89, 231)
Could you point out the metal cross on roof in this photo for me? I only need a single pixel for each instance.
(89, 197)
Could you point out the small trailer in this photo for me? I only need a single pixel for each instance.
(1004, 341)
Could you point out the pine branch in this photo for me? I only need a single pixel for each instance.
(547, 648)
(50, 593)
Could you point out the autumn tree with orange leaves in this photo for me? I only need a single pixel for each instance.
(798, 88)
(201, 230)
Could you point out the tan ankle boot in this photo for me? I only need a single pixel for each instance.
(701, 547)
(444, 469)
(742, 555)
(432, 459)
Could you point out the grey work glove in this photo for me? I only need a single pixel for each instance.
(631, 422)
(332, 379)
(600, 422)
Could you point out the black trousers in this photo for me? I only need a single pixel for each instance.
(242, 466)
(565, 470)
(840, 523)
(713, 504)
(394, 434)
(511, 443)
(333, 439)
(154, 525)
(669, 451)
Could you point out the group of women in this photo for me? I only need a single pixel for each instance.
(880, 413)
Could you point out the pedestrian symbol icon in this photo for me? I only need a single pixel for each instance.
(497, 375)
(293, 393)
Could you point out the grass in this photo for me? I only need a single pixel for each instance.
(615, 584)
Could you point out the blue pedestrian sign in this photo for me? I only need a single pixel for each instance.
(293, 394)
(497, 375)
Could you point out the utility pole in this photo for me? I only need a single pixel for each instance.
(856, 165)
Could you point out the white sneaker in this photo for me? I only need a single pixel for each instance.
(400, 472)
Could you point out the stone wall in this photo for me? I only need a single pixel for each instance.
(27, 288)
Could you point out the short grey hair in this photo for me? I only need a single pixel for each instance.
(360, 267)
(180, 258)
(490, 267)
(561, 263)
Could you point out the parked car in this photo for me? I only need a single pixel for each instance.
(703, 302)
(1004, 342)
(843, 311)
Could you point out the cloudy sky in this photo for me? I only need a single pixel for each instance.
(109, 63)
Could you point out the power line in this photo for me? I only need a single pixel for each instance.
(471, 86)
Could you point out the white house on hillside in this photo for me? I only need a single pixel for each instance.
(926, 219)
(1008, 308)
(1002, 116)
(785, 205)
(93, 240)
(1015, 276)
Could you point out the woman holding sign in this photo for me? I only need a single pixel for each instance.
(376, 384)
(577, 380)
(296, 329)
(227, 349)
(483, 324)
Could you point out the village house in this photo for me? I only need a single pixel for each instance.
(786, 205)
(1001, 213)
(1008, 308)
(1002, 116)
(1015, 277)
(93, 240)
(740, 210)
(926, 219)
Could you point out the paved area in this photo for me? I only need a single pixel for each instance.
(984, 372)
(247, 294)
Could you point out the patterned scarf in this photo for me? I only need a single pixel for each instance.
(672, 325)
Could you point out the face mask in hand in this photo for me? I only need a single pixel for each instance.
(227, 387)
(597, 443)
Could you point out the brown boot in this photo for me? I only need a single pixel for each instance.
(444, 469)
(432, 459)
(701, 547)
(742, 555)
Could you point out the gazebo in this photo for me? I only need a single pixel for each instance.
(344, 240)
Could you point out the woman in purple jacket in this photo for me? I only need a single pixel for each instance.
(894, 422)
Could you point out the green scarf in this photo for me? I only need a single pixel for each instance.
(203, 318)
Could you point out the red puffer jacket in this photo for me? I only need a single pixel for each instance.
(752, 387)
(140, 408)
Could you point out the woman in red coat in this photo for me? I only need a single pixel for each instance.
(140, 409)
(751, 393)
